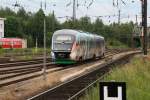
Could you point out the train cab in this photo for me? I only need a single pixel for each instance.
(62, 43)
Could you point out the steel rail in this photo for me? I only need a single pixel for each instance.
(31, 66)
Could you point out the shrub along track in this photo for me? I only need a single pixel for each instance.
(70, 87)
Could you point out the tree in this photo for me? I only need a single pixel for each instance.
(22, 14)
(35, 26)
(52, 23)
(85, 24)
(13, 27)
(67, 24)
(98, 27)
(5, 12)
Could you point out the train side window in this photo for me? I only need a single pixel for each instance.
(6, 43)
(89, 43)
(92, 43)
(9, 43)
(83, 42)
(14, 43)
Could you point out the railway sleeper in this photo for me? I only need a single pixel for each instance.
(19, 74)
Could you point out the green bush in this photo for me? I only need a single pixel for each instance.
(113, 43)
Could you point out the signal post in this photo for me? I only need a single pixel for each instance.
(144, 25)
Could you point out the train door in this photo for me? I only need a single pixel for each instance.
(102, 47)
(79, 47)
(89, 48)
(86, 47)
(82, 47)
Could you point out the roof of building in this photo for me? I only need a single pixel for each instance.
(2, 18)
(10, 39)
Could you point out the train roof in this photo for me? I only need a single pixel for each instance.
(10, 39)
(76, 32)
(66, 31)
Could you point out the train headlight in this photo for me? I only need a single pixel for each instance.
(52, 55)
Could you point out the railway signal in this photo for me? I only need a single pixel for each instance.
(112, 90)
(144, 22)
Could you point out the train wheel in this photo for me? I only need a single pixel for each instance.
(80, 59)
(103, 55)
(94, 56)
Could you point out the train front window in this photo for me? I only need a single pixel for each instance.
(63, 38)
(63, 42)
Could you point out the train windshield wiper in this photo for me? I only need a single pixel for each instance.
(62, 42)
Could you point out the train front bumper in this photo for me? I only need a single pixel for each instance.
(62, 57)
(64, 61)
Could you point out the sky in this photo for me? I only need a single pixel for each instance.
(103, 8)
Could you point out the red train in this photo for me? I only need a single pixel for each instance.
(12, 43)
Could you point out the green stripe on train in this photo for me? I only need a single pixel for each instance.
(64, 61)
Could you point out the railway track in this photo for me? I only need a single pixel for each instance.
(13, 59)
(66, 90)
(10, 72)
(14, 72)
(22, 62)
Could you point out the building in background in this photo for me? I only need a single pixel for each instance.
(9, 43)
(2, 27)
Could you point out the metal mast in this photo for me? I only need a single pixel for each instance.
(144, 25)
(44, 59)
(74, 10)
(119, 11)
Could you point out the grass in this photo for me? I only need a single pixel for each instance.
(23, 51)
(137, 77)
(26, 51)
(23, 54)
(91, 94)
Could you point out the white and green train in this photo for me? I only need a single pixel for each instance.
(71, 46)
